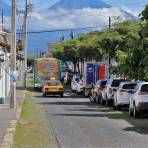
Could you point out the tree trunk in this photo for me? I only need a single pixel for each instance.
(78, 67)
(75, 65)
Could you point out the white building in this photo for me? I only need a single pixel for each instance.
(4, 67)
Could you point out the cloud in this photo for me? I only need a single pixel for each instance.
(133, 12)
(62, 19)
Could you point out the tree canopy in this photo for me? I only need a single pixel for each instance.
(126, 42)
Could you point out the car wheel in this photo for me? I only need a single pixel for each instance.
(114, 107)
(102, 101)
(80, 93)
(107, 102)
(61, 95)
(97, 99)
(135, 113)
(118, 107)
(130, 112)
(44, 95)
(91, 98)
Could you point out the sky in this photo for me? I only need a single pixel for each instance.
(135, 5)
(41, 19)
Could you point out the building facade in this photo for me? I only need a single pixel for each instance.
(4, 67)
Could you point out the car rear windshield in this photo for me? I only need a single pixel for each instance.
(116, 83)
(103, 83)
(144, 88)
(54, 84)
(129, 86)
(77, 79)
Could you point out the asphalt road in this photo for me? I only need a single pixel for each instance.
(77, 123)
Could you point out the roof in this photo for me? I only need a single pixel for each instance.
(129, 82)
(5, 44)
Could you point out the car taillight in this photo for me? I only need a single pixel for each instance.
(100, 89)
(61, 89)
(143, 93)
(122, 91)
(110, 90)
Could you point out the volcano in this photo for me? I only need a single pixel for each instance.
(80, 4)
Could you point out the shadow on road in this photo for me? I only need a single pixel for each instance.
(81, 115)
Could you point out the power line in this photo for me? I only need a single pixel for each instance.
(74, 29)
(63, 30)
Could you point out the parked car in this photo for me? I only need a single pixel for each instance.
(29, 70)
(110, 89)
(96, 93)
(121, 97)
(103, 93)
(100, 90)
(53, 87)
(80, 86)
(91, 93)
(139, 100)
(74, 81)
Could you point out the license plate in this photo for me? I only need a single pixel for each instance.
(53, 89)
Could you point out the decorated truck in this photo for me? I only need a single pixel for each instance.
(93, 71)
(44, 70)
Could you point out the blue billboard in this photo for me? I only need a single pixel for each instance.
(90, 69)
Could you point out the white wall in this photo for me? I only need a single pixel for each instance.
(4, 76)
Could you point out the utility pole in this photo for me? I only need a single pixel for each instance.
(13, 55)
(2, 15)
(71, 35)
(109, 58)
(25, 41)
(28, 9)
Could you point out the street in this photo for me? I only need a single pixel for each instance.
(77, 123)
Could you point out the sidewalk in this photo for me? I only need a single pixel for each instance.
(7, 115)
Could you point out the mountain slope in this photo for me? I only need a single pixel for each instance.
(6, 8)
(79, 4)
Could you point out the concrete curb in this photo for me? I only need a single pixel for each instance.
(10, 131)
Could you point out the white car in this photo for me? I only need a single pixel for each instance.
(121, 98)
(29, 69)
(74, 81)
(110, 89)
(103, 95)
(139, 100)
(98, 90)
(80, 86)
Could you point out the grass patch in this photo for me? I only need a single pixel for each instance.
(34, 132)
